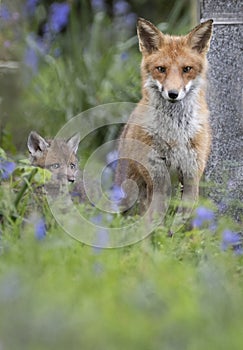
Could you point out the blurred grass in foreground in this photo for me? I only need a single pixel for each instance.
(60, 294)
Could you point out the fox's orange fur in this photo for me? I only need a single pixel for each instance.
(172, 116)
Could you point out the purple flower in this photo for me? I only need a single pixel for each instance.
(98, 5)
(59, 16)
(131, 19)
(4, 13)
(102, 238)
(102, 235)
(31, 59)
(57, 52)
(124, 56)
(77, 195)
(238, 250)
(231, 239)
(40, 229)
(36, 47)
(111, 159)
(97, 219)
(7, 43)
(15, 16)
(203, 215)
(121, 7)
(6, 168)
(30, 6)
(116, 193)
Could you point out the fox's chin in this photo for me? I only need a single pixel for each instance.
(172, 101)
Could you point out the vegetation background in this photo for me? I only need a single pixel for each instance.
(59, 58)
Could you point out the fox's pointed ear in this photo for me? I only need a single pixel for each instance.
(36, 143)
(199, 37)
(150, 38)
(73, 142)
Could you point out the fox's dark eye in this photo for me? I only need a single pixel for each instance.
(54, 166)
(72, 165)
(186, 69)
(161, 69)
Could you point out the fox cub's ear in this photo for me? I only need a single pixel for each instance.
(199, 37)
(150, 38)
(36, 143)
(73, 142)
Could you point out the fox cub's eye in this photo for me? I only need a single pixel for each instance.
(186, 69)
(55, 166)
(161, 69)
(72, 166)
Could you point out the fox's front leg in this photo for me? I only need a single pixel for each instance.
(189, 198)
(190, 191)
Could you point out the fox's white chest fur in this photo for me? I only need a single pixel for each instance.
(172, 126)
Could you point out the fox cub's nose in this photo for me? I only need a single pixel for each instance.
(71, 179)
(173, 94)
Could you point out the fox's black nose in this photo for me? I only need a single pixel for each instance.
(71, 179)
(173, 94)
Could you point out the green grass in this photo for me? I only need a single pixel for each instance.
(58, 293)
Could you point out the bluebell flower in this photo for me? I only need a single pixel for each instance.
(4, 13)
(6, 169)
(36, 47)
(40, 229)
(102, 235)
(124, 56)
(31, 6)
(238, 250)
(57, 52)
(7, 43)
(97, 219)
(102, 238)
(121, 7)
(59, 13)
(111, 159)
(130, 19)
(77, 195)
(203, 215)
(107, 177)
(98, 5)
(31, 59)
(116, 193)
(232, 239)
(15, 16)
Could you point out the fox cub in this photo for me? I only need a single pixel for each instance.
(58, 155)
(172, 117)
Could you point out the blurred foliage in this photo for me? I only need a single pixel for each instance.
(72, 56)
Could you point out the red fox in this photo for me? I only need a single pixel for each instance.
(58, 155)
(172, 117)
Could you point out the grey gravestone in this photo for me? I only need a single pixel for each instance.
(225, 98)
